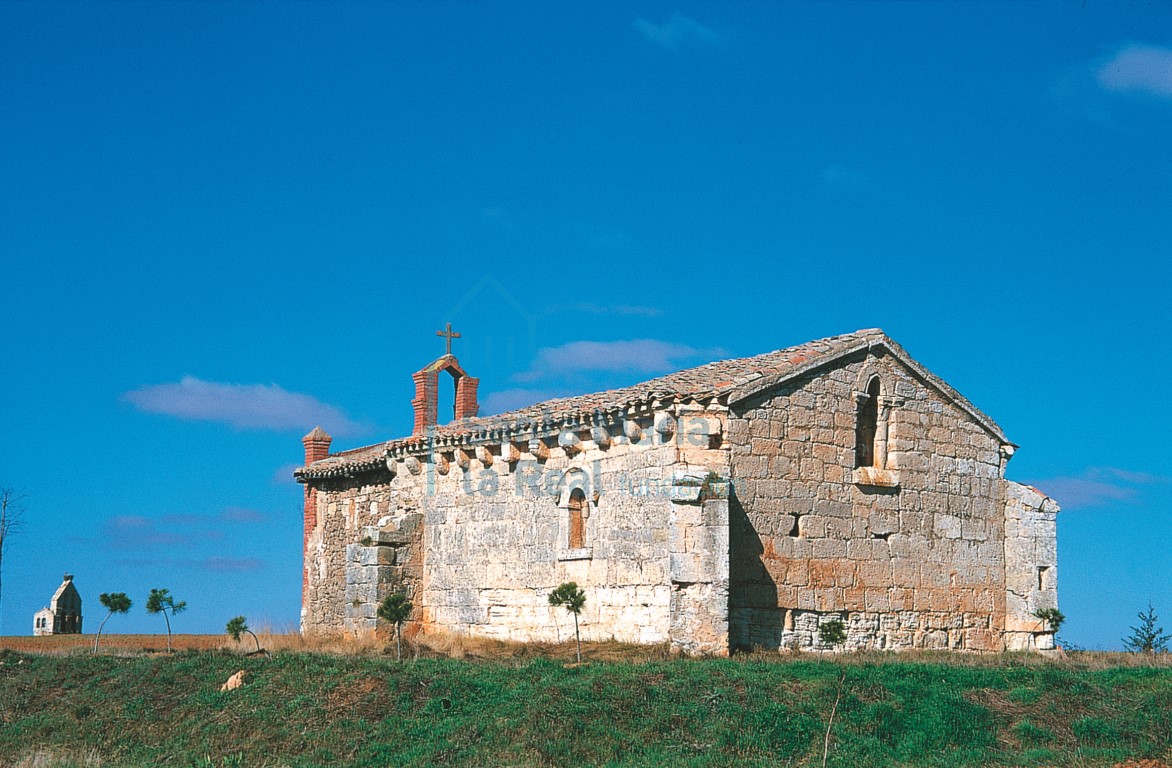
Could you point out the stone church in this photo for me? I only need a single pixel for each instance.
(736, 504)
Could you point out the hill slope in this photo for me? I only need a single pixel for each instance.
(303, 709)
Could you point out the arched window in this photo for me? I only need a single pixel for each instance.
(867, 428)
(577, 519)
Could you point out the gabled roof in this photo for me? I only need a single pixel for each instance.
(66, 590)
(727, 381)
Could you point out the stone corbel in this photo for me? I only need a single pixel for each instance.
(509, 452)
(392, 466)
(570, 442)
(665, 425)
(538, 449)
(413, 465)
(600, 435)
(463, 460)
(1006, 453)
(442, 463)
(632, 431)
(484, 455)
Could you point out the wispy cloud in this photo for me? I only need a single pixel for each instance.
(173, 531)
(1137, 67)
(642, 356)
(138, 533)
(676, 32)
(242, 515)
(214, 564)
(1097, 486)
(283, 475)
(621, 310)
(244, 406)
(230, 564)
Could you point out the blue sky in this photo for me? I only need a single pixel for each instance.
(221, 224)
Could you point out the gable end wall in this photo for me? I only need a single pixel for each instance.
(921, 565)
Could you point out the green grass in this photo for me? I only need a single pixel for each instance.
(301, 709)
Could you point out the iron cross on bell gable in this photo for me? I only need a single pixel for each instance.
(449, 335)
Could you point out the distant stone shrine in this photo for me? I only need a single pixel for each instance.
(63, 616)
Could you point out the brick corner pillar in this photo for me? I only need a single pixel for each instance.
(426, 384)
(466, 405)
(317, 447)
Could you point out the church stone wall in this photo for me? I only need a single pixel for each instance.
(480, 536)
(1031, 566)
(706, 526)
(497, 542)
(907, 554)
(345, 541)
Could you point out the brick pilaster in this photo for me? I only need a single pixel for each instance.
(466, 405)
(426, 386)
(317, 447)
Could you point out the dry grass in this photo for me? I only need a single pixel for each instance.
(113, 644)
(456, 646)
(52, 758)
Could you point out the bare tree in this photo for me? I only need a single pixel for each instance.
(11, 512)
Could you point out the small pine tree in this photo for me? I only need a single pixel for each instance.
(1051, 618)
(161, 601)
(832, 633)
(1148, 637)
(237, 627)
(396, 608)
(116, 602)
(572, 599)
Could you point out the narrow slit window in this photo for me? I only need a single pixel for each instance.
(577, 519)
(867, 428)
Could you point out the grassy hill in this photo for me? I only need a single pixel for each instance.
(308, 709)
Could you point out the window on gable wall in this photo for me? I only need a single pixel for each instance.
(577, 519)
(867, 428)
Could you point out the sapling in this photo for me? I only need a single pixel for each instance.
(115, 602)
(161, 601)
(395, 609)
(572, 598)
(237, 627)
(1148, 637)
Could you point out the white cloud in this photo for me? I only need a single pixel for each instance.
(676, 32)
(244, 406)
(1138, 67)
(636, 356)
(283, 475)
(1096, 487)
